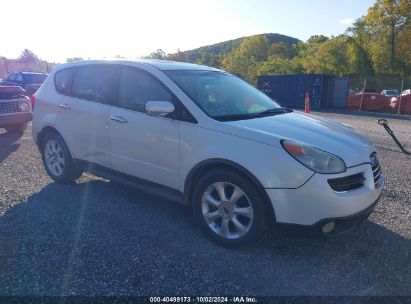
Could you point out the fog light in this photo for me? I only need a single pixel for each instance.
(329, 227)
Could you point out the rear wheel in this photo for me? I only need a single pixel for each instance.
(57, 159)
(229, 209)
(17, 128)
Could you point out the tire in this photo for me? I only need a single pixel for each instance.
(57, 159)
(17, 128)
(239, 220)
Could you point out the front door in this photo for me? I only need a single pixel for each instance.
(143, 145)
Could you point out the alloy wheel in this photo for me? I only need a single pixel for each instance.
(227, 210)
(54, 157)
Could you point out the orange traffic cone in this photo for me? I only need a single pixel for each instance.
(307, 103)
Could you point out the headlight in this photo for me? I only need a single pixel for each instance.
(24, 106)
(313, 158)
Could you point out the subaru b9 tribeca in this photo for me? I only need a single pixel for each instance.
(204, 137)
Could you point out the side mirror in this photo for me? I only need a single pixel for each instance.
(159, 108)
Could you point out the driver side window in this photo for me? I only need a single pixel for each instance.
(136, 88)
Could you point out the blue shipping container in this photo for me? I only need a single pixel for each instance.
(289, 90)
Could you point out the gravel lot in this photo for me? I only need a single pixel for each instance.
(98, 238)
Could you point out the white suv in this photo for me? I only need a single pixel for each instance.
(203, 137)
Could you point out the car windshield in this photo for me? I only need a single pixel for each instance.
(223, 96)
(34, 78)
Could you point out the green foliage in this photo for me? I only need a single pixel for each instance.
(386, 21)
(282, 50)
(179, 56)
(244, 60)
(210, 59)
(376, 44)
(219, 49)
(279, 66)
(159, 54)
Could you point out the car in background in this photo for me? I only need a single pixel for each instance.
(390, 93)
(401, 104)
(15, 109)
(29, 81)
(406, 92)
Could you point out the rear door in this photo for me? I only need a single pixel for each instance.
(143, 145)
(84, 111)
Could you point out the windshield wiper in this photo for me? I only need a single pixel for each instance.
(275, 111)
(231, 117)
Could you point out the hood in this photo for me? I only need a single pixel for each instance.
(322, 133)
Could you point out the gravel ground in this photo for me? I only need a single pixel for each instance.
(98, 238)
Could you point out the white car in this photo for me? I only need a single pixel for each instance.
(203, 137)
(390, 93)
(406, 92)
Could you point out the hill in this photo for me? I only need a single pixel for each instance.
(225, 47)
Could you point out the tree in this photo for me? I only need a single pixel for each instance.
(328, 57)
(358, 59)
(403, 51)
(159, 54)
(317, 39)
(179, 56)
(279, 66)
(28, 56)
(244, 60)
(210, 59)
(281, 50)
(390, 17)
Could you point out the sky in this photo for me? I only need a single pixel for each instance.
(60, 29)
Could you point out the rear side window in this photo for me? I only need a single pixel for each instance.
(137, 87)
(62, 81)
(95, 83)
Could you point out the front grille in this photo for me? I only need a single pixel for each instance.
(9, 107)
(347, 183)
(376, 170)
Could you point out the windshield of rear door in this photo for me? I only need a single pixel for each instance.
(221, 95)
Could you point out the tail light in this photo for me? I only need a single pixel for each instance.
(33, 100)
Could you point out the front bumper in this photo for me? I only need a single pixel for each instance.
(342, 224)
(315, 201)
(15, 118)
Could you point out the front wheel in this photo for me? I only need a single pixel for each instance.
(229, 209)
(57, 159)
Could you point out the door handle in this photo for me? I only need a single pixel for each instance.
(119, 119)
(64, 106)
